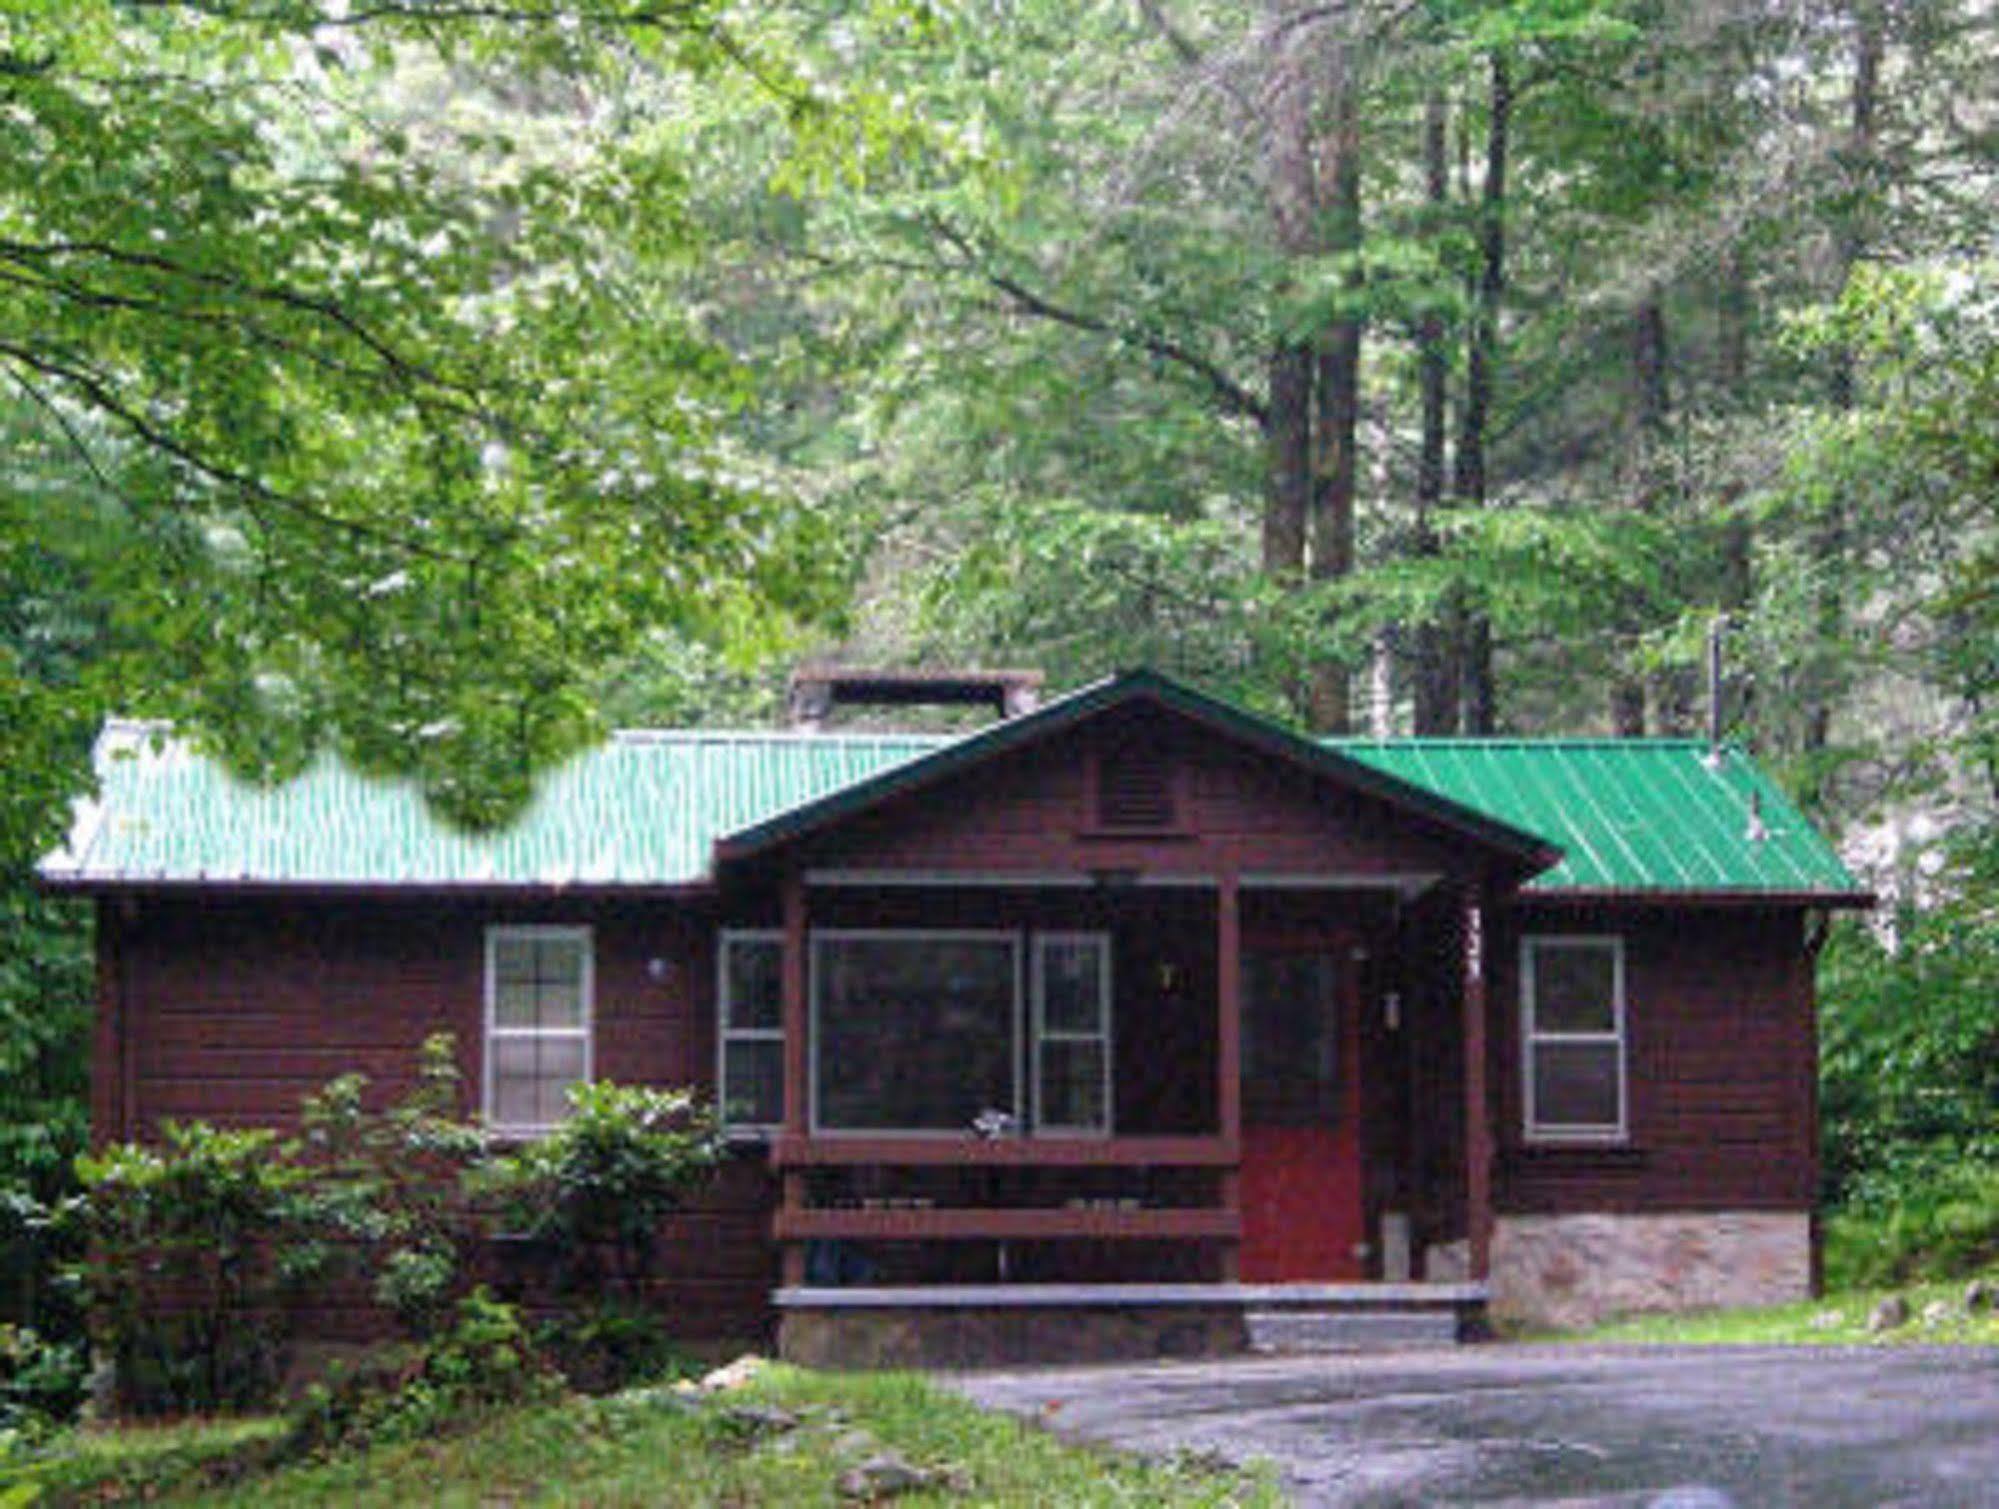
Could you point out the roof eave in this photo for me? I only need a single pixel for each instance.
(246, 887)
(1689, 896)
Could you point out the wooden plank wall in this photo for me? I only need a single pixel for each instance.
(1720, 1058)
(237, 1009)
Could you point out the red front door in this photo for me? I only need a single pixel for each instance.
(1301, 1183)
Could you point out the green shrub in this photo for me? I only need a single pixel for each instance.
(611, 1345)
(43, 1381)
(1909, 1092)
(591, 1196)
(595, 1189)
(192, 1261)
(388, 1189)
(1937, 1224)
(485, 1361)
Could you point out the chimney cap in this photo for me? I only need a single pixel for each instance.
(817, 689)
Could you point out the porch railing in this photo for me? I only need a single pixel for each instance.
(1203, 1211)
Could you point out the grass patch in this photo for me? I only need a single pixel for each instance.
(139, 1462)
(1837, 1320)
(652, 1447)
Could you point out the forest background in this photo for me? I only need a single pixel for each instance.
(442, 383)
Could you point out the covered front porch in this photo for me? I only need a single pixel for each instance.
(1096, 1115)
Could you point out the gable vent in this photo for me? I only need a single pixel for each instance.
(1135, 785)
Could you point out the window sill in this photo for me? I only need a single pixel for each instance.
(1172, 835)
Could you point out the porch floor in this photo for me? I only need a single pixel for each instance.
(982, 1325)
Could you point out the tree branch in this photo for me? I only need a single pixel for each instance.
(96, 390)
(1233, 395)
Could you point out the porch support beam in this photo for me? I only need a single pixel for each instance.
(1228, 1052)
(1228, 992)
(1478, 1109)
(796, 1058)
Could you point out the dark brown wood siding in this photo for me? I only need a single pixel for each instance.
(1719, 1053)
(231, 1011)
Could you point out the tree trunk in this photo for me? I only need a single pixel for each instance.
(1293, 191)
(1738, 545)
(1337, 418)
(1648, 430)
(1479, 714)
(1288, 486)
(1850, 238)
(1436, 690)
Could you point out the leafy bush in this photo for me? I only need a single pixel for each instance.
(591, 1195)
(1910, 1088)
(192, 1260)
(1941, 1224)
(611, 1345)
(1910, 1053)
(483, 1362)
(197, 1248)
(388, 1188)
(43, 1381)
(596, 1188)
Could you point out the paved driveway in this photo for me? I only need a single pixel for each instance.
(1661, 1428)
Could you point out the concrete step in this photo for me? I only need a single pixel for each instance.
(1350, 1330)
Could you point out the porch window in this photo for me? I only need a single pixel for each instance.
(538, 986)
(913, 1032)
(1072, 1032)
(1572, 1018)
(749, 996)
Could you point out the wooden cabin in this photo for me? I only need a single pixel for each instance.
(1128, 1023)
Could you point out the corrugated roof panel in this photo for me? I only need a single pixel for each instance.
(647, 808)
(1628, 814)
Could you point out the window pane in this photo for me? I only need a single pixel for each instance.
(1072, 1084)
(1072, 981)
(538, 982)
(914, 1034)
(753, 987)
(1575, 1084)
(558, 959)
(531, 1079)
(1290, 1036)
(513, 960)
(753, 1083)
(1574, 987)
(559, 1003)
(514, 1002)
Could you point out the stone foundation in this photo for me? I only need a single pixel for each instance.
(1576, 1270)
(987, 1336)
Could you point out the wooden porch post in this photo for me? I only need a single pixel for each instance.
(1228, 1047)
(796, 1057)
(1478, 1121)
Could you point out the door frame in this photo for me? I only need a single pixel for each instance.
(1341, 939)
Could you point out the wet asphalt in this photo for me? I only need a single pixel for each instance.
(1616, 1427)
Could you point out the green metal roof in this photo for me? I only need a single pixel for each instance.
(642, 809)
(648, 810)
(1629, 814)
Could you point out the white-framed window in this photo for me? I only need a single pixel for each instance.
(538, 1012)
(1572, 1016)
(749, 1013)
(1072, 1033)
(914, 1031)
